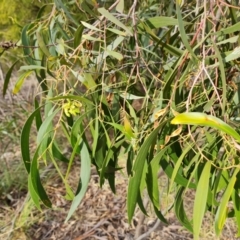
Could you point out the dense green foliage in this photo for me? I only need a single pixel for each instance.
(14, 15)
(112, 82)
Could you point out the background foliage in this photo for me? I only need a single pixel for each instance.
(13, 16)
(113, 77)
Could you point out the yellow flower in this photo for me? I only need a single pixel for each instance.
(71, 108)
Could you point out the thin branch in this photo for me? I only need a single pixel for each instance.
(146, 234)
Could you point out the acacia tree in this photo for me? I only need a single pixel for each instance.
(114, 77)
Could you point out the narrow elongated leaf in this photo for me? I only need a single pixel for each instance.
(44, 135)
(44, 129)
(120, 6)
(8, 77)
(60, 47)
(222, 211)
(180, 211)
(140, 204)
(228, 30)
(48, 108)
(161, 21)
(90, 26)
(179, 179)
(152, 184)
(58, 154)
(116, 55)
(113, 19)
(228, 40)
(223, 79)
(42, 44)
(77, 131)
(135, 179)
(89, 37)
(177, 166)
(152, 178)
(160, 215)
(25, 42)
(25, 136)
(201, 200)
(183, 33)
(118, 32)
(72, 97)
(78, 36)
(36, 181)
(169, 48)
(41, 75)
(38, 114)
(236, 202)
(110, 155)
(85, 177)
(33, 194)
(60, 5)
(31, 67)
(202, 119)
(110, 48)
(41, 11)
(235, 54)
(20, 82)
(95, 135)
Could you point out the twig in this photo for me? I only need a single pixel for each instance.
(91, 231)
(9, 44)
(95, 24)
(146, 234)
(141, 220)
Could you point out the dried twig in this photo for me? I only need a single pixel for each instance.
(7, 45)
(146, 234)
(141, 219)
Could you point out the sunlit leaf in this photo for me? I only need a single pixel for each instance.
(90, 26)
(88, 37)
(31, 67)
(202, 119)
(20, 81)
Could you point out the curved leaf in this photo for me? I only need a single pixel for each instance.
(20, 82)
(8, 77)
(222, 211)
(180, 211)
(202, 119)
(36, 181)
(25, 137)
